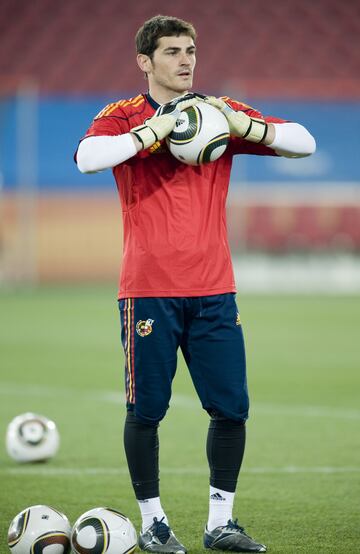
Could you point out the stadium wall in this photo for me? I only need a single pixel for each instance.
(62, 121)
(58, 225)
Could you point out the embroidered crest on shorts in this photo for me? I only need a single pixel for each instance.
(238, 320)
(144, 328)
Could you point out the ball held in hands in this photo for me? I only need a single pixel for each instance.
(163, 121)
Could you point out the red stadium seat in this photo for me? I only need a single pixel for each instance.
(87, 46)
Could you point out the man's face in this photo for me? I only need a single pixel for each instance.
(172, 65)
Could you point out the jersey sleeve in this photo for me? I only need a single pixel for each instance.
(239, 145)
(111, 120)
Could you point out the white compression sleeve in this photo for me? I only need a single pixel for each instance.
(102, 152)
(292, 140)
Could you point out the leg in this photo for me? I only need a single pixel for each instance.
(214, 351)
(225, 449)
(141, 443)
(213, 347)
(150, 331)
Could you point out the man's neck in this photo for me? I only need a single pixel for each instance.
(164, 96)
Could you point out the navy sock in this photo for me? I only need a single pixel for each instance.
(225, 449)
(141, 444)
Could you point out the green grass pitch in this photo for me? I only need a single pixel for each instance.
(299, 489)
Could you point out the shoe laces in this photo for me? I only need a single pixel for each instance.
(161, 530)
(233, 524)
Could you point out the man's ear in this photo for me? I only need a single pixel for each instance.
(144, 62)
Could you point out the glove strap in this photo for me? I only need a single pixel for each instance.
(145, 134)
(257, 131)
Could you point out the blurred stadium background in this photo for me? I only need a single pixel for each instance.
(293, 224)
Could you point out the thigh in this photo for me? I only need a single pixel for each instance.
(213, 347)
(150, 332)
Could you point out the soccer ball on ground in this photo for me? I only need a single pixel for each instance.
(38, 527)
(201, 135)
(103, 530)
(32, 438)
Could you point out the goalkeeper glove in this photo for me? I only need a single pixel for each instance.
(163, 121)
(240, 124)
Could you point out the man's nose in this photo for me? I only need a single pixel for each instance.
(185, 59)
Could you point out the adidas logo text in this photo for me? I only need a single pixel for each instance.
(217, 496)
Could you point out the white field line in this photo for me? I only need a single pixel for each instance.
(109, 471)
(177, 401)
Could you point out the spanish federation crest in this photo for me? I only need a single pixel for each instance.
(144, 328)
(238, 320)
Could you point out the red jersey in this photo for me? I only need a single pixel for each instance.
(175, 236)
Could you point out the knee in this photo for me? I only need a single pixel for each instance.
(220, 419)
(136, 416)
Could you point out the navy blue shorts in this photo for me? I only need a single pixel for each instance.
(209, 333)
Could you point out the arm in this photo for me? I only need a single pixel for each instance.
(291, 140)
(96, 153)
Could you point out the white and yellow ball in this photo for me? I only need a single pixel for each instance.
(103, 530)
(32, 438)
(39, 529)
(201, 135)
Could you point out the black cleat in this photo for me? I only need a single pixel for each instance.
(231, 537)
(160, 538)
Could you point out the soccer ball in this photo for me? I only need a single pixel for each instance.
(39, 529)
(32, 438)
(103, 530)
(201, 135)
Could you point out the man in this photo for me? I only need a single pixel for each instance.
(177, 286)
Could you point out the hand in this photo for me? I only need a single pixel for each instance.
(194, 97)
(240, 124)
(163, 121)
(154, 129)
(169, 106)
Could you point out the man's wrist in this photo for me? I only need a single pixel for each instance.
(270, 135)
(138, 145)
(145, 135)
(256, 131)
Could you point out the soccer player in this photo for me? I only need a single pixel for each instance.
(177, 285)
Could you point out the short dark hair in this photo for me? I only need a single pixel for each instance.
(147, 37)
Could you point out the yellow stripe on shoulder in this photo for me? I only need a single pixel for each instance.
(226, 98)
(134, 101)
(102, 112)
(110, 108)
(137, 100)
